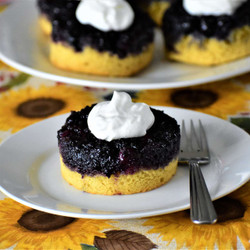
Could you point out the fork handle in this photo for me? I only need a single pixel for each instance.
(201, 206)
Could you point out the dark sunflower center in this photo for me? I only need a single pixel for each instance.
(39, 221)
(40, 107)
(193, 98)
(229, 209)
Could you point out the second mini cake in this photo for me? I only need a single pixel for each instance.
(207, 32)
(110, 38)
(118, 147)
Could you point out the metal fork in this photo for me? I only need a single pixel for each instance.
(194, 152)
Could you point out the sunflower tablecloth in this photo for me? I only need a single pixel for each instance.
(25, 100)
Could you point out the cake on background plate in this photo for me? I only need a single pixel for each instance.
(118, 147)
(207, 32)
(109, 38)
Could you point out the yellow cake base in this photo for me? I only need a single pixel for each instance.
(212, 51)
(139, 182)
(91, 61)
(45, 25)
(157, 9)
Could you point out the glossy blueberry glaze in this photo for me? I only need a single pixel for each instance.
(178, 23)
(84, 153)
(66, 28)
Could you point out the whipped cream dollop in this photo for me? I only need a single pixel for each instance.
(120, 118)
(105, 15)
(211, 7)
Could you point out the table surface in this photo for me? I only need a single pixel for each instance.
(19, 230)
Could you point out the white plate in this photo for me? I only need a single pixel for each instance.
(24, 47)
(30, 173)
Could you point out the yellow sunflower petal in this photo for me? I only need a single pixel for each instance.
(5, 66)
(2, 8)
(68, 237)
(74, 98)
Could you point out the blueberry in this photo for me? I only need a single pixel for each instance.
(55, 23)
(56, 10)
(69, 23)
(207, 26)
(69, 5)
(224, 26)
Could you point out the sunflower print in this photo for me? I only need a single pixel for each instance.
(244, 79)
(4, 135)
(232, 224)
(1, 63)
(220, 99)
(5, 66)
(1, 9)
(25, 106)
(27, 228)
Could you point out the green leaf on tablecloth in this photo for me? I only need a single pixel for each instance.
(242, 122)
(123, 239)
(21, 78)
(88, 247)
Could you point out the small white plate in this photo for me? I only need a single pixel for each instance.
(30, 173)
(23, 46)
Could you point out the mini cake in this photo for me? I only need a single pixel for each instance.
(157, 8)
(118, 147)
(207, 32)
(109, 38)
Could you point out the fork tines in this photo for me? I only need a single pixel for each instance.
(197, 141)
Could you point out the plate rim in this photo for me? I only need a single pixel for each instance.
(115, 83)
(116, 215)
